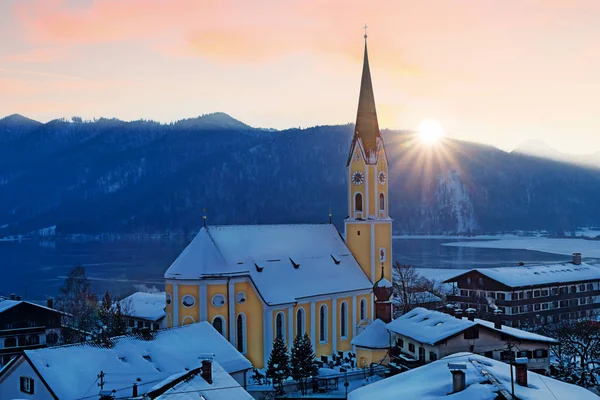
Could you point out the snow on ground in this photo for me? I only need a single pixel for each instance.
(585, 232)
(587, 248)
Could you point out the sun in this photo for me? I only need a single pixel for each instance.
(430, 131)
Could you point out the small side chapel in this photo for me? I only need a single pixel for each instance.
(256, 282)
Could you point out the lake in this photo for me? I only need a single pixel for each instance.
(36, 270)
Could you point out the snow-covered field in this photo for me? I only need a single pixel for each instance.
(587, 248)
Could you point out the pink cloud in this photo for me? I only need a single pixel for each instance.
(35, 56)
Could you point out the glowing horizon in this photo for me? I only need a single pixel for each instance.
(488, 72)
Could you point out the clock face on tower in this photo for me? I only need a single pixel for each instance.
(381, 178)
(358, 178)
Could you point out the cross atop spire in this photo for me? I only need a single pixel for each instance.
(365, 28)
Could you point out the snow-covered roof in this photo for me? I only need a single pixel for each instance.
(516, 333)
(148, 306)
(538, 274)
(374, 336)
(223, 387)
(418, 298)
(71, 371)
(430, 327)
(282, 260)
(6, 304)
(434, 381)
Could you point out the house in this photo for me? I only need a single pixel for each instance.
(144, 310)
(254, 283)
(424, 299)
(25, 325)
(74, 371)
(422, 336)
(531, 295)
(209, 381)
(470, 376)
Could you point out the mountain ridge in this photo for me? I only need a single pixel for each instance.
(147, 177)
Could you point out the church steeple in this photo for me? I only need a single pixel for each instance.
(367, 127)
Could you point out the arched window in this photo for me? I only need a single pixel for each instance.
(188, 320)
(363, 309)
(381, 202)
(344, 319)
(219, 325)
(280, 325)
(358, 202)
(241, 333)
(323, 323)
(300, 322)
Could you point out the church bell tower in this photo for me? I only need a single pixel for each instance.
(368, 227)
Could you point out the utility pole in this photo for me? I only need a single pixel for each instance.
(511, 358)
(101, 377)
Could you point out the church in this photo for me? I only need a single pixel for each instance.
(254, 283)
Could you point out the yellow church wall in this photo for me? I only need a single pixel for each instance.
(343, 343)
(188, 315)
(253, 309)
(383, 238)
(213, 311)
(360, 245)
(325, 347)
(306, 307)
(169, 307)
(365, 357)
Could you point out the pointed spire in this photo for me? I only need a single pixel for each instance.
(367, 127)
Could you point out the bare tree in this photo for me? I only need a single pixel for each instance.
(407, 282)
(578, 352)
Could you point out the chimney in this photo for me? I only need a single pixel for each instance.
(207, 371)
(576, 258)
(13, 296)
(458, 376)
(521, 263)
(19, 298)
(498, 318)
(458, 313)
(471, 314)
(521, 367)
(50, 302)
(135, 390)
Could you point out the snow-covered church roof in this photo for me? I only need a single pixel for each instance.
(374, 336)
(282, 260)
(434, 381)
(70, 371)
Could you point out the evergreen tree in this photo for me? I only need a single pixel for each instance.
(278, 367)
(303, 361)
(119, 325)
(105, 311)
(78, 300)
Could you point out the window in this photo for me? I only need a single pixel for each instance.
(323, 323)
(300, 322)
(344, 320)
(582, 300)
(400, 343)
(218, 300)
(554, 291)
(529, 294)
(537, 307)
(240, 298)
(219, 324)
(582, 288)
(411, 347)
(155, 327)
(573, 289)
(33, 340)
(464, 293)
(490, 295)
(421, 354)
(10, 342)
(51, 337)
(381, 201)
(140, 324)
(169, 299)
(514, 310)
(358, 202)
(280, 326)
(471, 333)
(544, 306)
(501, 296)
(27, 385)
(146, 324)
(363, 309)
(480, 281)
(573, 303)
(131, 323)
(537, 293)
(432, 356)
(468, 280)
(32, 324)
(520, 295)
(241, 333)
(540, 353)
(544, 292)
(589, 286)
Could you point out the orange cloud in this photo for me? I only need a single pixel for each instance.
(35, 56)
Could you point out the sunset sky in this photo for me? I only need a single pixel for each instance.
(497, 72)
